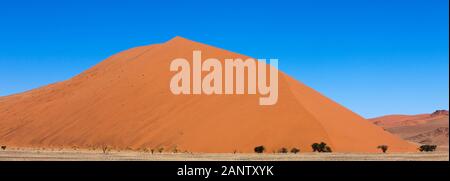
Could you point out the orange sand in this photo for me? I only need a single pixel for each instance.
(125, 101)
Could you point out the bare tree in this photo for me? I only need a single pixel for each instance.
(105, 149)
(383, 148)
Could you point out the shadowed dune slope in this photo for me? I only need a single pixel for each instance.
(125, 102)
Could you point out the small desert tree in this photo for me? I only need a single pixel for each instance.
(315, 147)
(327, 149)
(152, 150)
(160, 150)
(3, 147)
(433, 147)
(283, 150)
(383, 148)
(321, 147)
(259, 149)
(427, 148)
(295, 150)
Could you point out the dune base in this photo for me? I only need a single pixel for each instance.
(98, 155)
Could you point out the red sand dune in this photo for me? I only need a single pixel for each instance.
(125, 101)
(422, 128)
(408, 120)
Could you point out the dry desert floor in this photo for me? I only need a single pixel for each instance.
(89, 155)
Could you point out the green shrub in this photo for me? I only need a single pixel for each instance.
(427, 148)
(315, 147)
(283, 150)
(383, 148)
(321, 147)
(259, 149)
(295, 150)
(327, 149)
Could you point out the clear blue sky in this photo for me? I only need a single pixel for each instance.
(375, 57)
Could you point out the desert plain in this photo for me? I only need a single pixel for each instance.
(90, 155)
